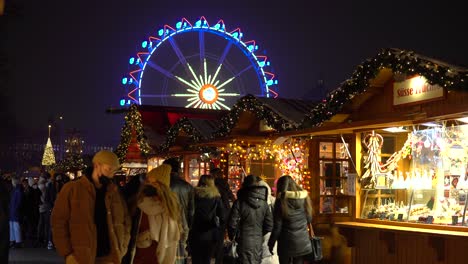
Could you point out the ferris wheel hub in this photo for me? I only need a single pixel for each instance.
(208, 94)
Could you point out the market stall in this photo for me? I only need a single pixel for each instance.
(388, 162)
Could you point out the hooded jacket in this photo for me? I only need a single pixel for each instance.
(291, 231)
(73, 227)
(250, 220)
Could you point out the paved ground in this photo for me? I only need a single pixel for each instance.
(34, 255)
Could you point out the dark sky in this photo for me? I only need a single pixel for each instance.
(66, 58)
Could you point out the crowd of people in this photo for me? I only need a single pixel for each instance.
(156, 217)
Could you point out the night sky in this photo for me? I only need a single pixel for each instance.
(66, 58)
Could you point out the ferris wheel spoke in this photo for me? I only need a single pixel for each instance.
(187, 83)
(201, 42)
(225, 52)
(244, 70)
(179, 54)
(226, 82)
(223, 105)
(161, 70)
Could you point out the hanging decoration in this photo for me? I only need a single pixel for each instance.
(133, 122)
(400, 62)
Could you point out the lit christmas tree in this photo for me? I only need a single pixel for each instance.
(48, 158)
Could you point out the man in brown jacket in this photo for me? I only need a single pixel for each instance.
(90, 220)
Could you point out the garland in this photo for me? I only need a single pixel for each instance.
(250, 103)
(181, 124)
(400, 62)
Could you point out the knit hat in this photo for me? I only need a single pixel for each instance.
(161, 174)
(107, 157)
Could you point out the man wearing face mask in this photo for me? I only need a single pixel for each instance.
(90, 220)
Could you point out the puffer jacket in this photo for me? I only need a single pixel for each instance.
(251, 219)
(73, 225)
(291, 231)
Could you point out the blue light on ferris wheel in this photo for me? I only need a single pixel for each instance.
(161, 32)
(144, 44)
(131, 60)
(122, 102)
(217, 26)
(124, 80)
(178, 25)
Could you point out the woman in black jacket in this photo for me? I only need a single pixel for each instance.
(208, 217)
(250, 220)
(292, 212)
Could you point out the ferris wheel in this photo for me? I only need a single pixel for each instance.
(198, 65)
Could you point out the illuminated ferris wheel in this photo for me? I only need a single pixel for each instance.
(198, 65)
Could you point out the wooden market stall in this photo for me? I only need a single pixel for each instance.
(146, 134)
(388, 159)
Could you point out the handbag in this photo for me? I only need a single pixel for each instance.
(316, 243)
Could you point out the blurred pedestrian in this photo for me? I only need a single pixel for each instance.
(160, 226)
(30, 208)
(227, 197)
(250, 220)
(291, 214)
(90, 220)
(4, 222)
(130, 192)
(44, 209)
(267, 256)
(185, 194)
(16, 200)
(208, 221)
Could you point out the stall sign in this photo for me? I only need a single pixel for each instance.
(415, 90)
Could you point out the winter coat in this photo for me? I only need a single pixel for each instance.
(16, 200)
(250, 219)
(208, 206)
(267, 256)
(162, 229)
(73, 224)
(225, 191)
(291, 231)
(184, 191)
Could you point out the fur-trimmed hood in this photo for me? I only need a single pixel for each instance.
(207, 192)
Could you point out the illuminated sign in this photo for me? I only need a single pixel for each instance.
(415, 89)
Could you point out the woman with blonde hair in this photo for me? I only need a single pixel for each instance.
(160, 224)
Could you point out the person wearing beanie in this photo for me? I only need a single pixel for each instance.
(92, 211)
(160, 225)
(161, 174)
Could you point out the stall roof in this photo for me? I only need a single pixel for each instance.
(375, 72)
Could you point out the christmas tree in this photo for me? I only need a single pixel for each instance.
(48, 158)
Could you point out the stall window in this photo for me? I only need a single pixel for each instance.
(196, 169)
(334, 164)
